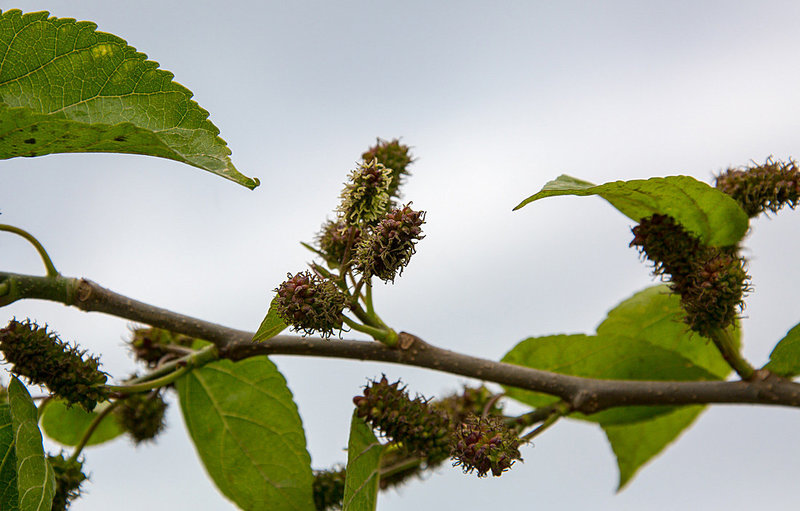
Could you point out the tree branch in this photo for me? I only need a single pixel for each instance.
(586, 395)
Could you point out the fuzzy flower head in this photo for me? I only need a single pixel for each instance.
(328, 489)
(365, 197)
(333, 239)
(310, 304)
(485, 444)
(419, 427)
(142, 415)
(392, 155)
(44, 359)
(710, 281)
(472, 401)
(69, 477)
(149, 345)
(767, 187)
(389, 248)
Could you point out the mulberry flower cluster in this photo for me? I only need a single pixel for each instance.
(767, 187)
(471, 401)
(333, 240)
(69, 476)
(392, 155)
(389, 248)
(310, 303)
(485, 445)
(44, 359)
(366, 196)
(412, 422)
(149, 344)
(328, 489)
(142, 415)
(371, 232)
(710, 281)
(437, 431)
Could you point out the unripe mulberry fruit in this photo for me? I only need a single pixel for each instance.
(392, 155)
(328, 489)
(417, 426)
(767, 187)
(710, 281)
(44, 359)
(310, 304)
(485, 445)
(389, 248)
(365, 197)
(69, 477)
(149, 344)
(142, 415)
(333, 240)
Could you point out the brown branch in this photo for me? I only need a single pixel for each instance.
(585, 395)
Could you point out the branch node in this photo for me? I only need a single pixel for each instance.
(406, 340)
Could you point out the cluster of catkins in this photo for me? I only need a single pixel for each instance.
(467, 427)
(69, 373)
(469, 431)
(712, 281)
(372, 235)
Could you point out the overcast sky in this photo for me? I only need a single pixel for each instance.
(496, 98)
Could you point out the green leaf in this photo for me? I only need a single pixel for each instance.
(710, 214)
(636, 444)
(363, 468)
(35, 478)
(655, 315)
(272, 324)
(603, 357)
(246, 429)
(785, 358)
(67, 424)
(9, 496)
(66, 88)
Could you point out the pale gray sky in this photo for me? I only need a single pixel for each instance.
(496, 98)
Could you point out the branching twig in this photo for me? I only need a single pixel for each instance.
(584, 395)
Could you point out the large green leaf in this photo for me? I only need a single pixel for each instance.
(603, 357)
(636, 444)
(271, 326)
(35, 477)
(654, 315)
(9, 496)
(67, 424)
(785, 358)
(363, 468)
(246, 429)
(710, 214)
(65, 88)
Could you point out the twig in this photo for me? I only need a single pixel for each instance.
(586, 395)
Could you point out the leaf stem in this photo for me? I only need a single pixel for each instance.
(168, 373)
(87, 435)
(48, 263)
(558, 410)
(724, 343)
